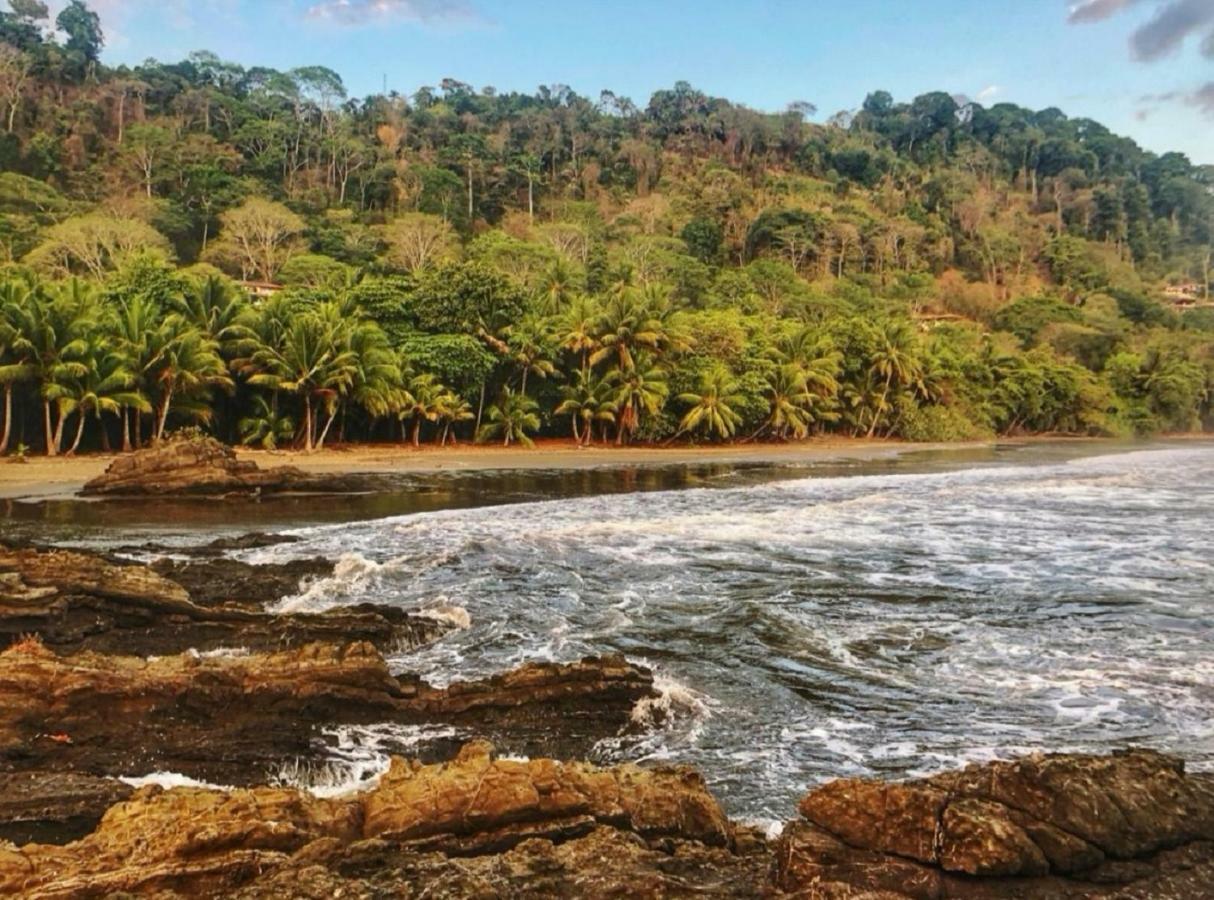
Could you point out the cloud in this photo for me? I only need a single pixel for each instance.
(1096, 10)
(987, 93)
(1173, 23)
(1201, 99)
(366, 12)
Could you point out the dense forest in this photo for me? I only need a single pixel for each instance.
(256, 253)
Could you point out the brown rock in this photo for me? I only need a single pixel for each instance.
(453, 829)
(1041, 826)
(74, 600)
(235, 719)
(202, 466)
(54, 807)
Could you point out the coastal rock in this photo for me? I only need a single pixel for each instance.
(1062, 825)
(54, 807)
(235, 718)
(202, 466)
(459, 829)
(74, 600)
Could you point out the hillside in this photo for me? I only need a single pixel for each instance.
(255, 252)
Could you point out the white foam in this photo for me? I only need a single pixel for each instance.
(169, 780)
(674, 700)
(358, 756)
(450, 613)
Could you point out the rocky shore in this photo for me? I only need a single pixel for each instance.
(115, 670)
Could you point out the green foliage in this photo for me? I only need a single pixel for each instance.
(1028, 317)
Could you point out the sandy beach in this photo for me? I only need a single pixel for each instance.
(39, 477)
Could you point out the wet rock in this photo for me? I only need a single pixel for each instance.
(459, 829)
(54, 807)
(1046, 825)
(75, 601)
(235, 719)
(253, 585)
(202, 466)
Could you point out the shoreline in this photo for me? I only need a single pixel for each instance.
(42, 478)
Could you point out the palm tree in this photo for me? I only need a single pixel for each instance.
(137, 332)
(790, 400)
(577, 330)
(529, 348)
(311, 361)
(190, 365)
(624, 328)
(893, 362)
(219, 311)
(264, 426)
(712, 410)
(15, 364)
(641, 390)
(511, 417)
(450, 408)
(421, 403)
(586, 401)
(104, 387)
(53, 329)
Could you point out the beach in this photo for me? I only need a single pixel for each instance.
(41, 477)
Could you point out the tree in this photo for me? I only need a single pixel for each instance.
(84, 37)
(258, 237)
(894, 363)
(94, 245)
(587, 400)
(16, 365)
(712, 408)
(418, 241)
(511, 418)
(638, 391)
(15, 68)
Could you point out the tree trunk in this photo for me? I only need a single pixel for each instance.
(48, 434)
(126, 430)
(480, 409)
(416, 435)
(79, 433)
(61, 421)
(164, 415)
(8, 419)
(324, 432)
(577, 434)
(881, 406)
(307, 424)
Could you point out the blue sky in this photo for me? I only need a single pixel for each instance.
(1139, 66)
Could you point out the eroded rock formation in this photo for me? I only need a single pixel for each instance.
(1042, 826)
(74, 600)
(202, 466)
(234, 719)
(468, 827)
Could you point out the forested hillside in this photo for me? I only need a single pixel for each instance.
(258, 253)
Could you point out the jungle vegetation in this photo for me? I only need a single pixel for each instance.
(259, 254)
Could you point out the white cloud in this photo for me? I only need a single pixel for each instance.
(988, 93)
(364, 12)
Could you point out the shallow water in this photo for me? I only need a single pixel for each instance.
(892, 617)
(807, 628)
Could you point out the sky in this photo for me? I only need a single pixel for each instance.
(1142, 67)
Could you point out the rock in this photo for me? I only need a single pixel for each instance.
(202, 466)
(1069, 825)
(210, 582)
(54, 807)
(73, 600)
(235, 719)
(476, 826)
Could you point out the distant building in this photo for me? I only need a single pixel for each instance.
(260, 289)
(1184, 294)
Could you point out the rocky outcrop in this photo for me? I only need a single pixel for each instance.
(202, 466)
(54, 807)
(470, 827)
(234, 719)
(1056, 826)
(73, 600)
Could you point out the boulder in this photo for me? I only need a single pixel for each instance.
(1046, 825)
(202, 466)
